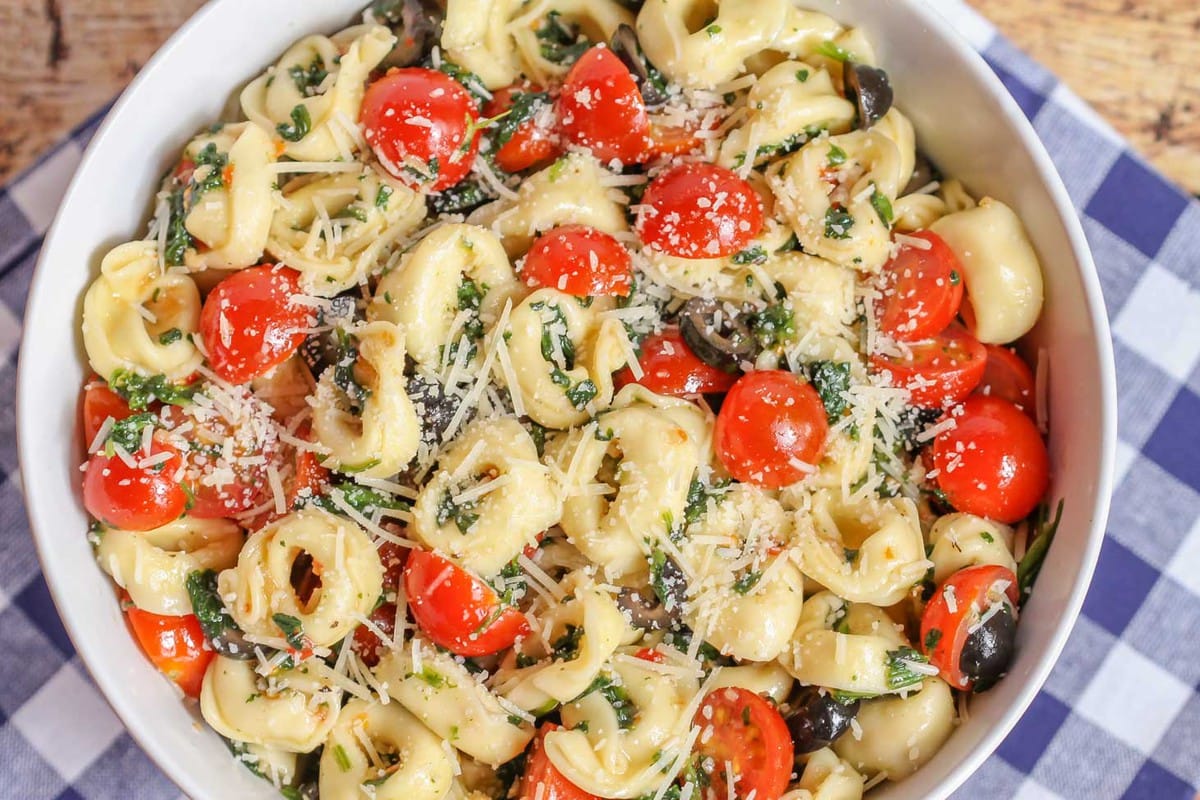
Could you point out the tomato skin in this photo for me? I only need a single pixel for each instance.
(449, 604)
(262, 326)
(562, 258)
(601, 108)
(993, 463)
(923, 290)
(749, 733)
(971, 588)
(175, 645)
(670, 367)
(529, 145)
(539, 771)
(699, 211)
(770, 418)
(132, 498)
(419, 93)
(938, 372)
(671, 141)
(99, 403)
(1008, 376)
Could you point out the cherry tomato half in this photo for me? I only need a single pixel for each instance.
(175, 645)
(670, 367)
(937, 372)
(457, 610)
(250, 324)
(601, 108)
(529, 145)
(993, 462)
(542, 780)
(100, 403)
(699, 211)
(944, 631)
(771, 429)
(417, 121)
(922, 290)
(749, 737)
(134, 498)
(1007, 375)
(579, 260)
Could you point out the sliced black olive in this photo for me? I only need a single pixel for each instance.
(646, 611)
(924, 173)
(989, 649)
(817, 719)
(717, 337)
(232, 643)
(321, 350)
(650, 81)
(868, 88)
(434, 407)
(417, 25)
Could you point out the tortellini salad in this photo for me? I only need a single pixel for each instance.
(565, 400)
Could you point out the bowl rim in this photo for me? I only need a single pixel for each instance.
(981, 74)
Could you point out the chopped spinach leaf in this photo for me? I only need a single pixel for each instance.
(463, 514)
(179, 240)
(900, 674)
(170, 336)
(301, 124)
(139, 391)
(128, 433)
(774, 325)
(566, 646)
(883, 207)
(307, 80)
(837, 156)
(525, 105)
(838, 222)
(751, 255)
(293, 629)
(747, 581)
(831, 379)
(207, 605)
(560, 41)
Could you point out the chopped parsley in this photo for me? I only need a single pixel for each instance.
(838, 222)
(362, 499)
(802, 75)
(751, 255)
(560, 41)
(900, 674)
(987, 537)
(293, 629)
(617, 697)
(566, 646)
(128, 433)
(470, 298)
(831, 379)
(431, 677)
(470, 81)
(139, 391)
(831, 49)
(698, 496)
(300, 127)
(774, 325)
(307, 80)
(883, 207)
(463, 514)
(525, 105)
(747, 582)
(383, 196)
(170, 336)
(214, 177)
(178, 237)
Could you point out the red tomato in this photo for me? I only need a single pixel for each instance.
(175, 645)
(100, 403)
(601, 108)
(529, 144)
(417, 121)
(699, 211)
(539, 772)
(1007, 375)
(650, 654)
(134, 498)
(922, 290)
(250, 324)
(579, 260)
(944, 632)
(750, 739)
(670, 367)
(672, 141)
(367, 643)
(937, 372)
(457, 610)
(993, 462)
(771, 429)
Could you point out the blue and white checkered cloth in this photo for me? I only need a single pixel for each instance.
(1119, 716)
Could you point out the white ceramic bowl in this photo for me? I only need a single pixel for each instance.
(965, 120)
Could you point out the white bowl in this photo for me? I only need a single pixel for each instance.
(965, 120)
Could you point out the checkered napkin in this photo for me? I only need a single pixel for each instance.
(1119, 716)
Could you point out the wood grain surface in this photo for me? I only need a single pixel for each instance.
(1136, 61)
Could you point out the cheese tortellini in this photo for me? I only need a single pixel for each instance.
(900, 733)
(130, 307)
(964, 540)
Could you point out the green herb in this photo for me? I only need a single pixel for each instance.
(751, 255)
(566, 646)
(429, 174)
(850, 553)
(128, 433)
(747, 582)
(463, 514)
(459, 198)
(470, 81)
(582, 393)
(900, 674)
(713, 30)
(214, 177)
(139, 391)
(525, 105)
(955, 278)
(293, 629)
(698, 496)
(525, 660)
(344, 376)
(538, 434)
(802, 75)
(351, 469)
(290, 792)
(932, 638)
(301, 124)
(774, 325)
(665, 593)
(838, 222)
(987, 537)
(170, 336)
(509, 773)
(616, 696)
(382, 196)
(560, 41)
(362, 499)
(837, 156)
(179, 240)
(566, 347)
(882, 206)
(307, 80)
(431, 677)
(207, 604)
(341, 757)
(470, 298)
(831, 49)
(557, 169)
(509, 586)
(831, 379)
(1035, 555)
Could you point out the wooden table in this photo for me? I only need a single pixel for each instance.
(1136, 61)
